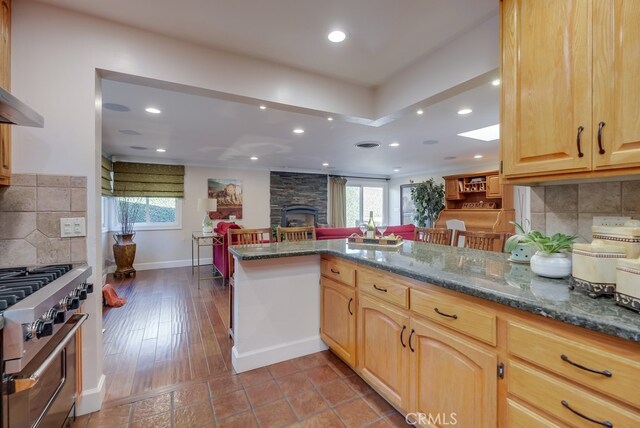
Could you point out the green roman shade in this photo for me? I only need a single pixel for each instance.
(106, 179)
(145, 179)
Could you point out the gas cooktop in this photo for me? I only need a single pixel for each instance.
(19, 283)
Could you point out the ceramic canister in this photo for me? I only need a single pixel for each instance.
(594, 267)
(627, 236)
(628, 283)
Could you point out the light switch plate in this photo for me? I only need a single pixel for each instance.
(73, 227)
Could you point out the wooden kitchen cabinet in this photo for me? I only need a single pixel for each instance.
(5, 82)
(337, 319)
(452, 378)
(569, 80)
(383, 355)
(494, 186)
(451, 189)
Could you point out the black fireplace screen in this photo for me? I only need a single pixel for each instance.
(299, 215)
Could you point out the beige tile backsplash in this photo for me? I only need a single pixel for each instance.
(570, 208)
(30, 213)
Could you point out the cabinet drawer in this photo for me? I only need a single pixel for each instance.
(455, 313)
(564, 400)
(384, 286)
(338, 270)
(519, 416)
(572, 358)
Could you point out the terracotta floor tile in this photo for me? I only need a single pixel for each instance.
(341, 368)
(294, 384)
(322, 374)
(397, 420)
(356, 413)
(284, 368)
(230, 404)
(255, 377)
(379, 404)
(244, 420)
(162, 420)
(191, 394)
(337, 392)
(380, 423)
(264, 393)
(310, 361)
(224, 385)
(198, 414)
(275, 415)
(358, 385)
(326, 419)
(308, 403)
(152, 406)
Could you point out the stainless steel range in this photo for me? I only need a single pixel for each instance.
(41, 318)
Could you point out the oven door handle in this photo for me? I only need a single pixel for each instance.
(22, 384)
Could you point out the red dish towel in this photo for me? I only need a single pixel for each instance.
(111, 297)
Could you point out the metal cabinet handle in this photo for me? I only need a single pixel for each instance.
(349, 306)
(580, 129)
(411, 336)
(454, 316)
(379, 288)
(606, 373)
(404, 327)
(603, 423)
(337, 272)
(600, 126)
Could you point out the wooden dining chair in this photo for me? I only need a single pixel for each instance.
(243, 237)
(304, 233)
(432, 235)
(487, 241)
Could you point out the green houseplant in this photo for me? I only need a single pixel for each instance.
(428, 198)
(551, 258)
(520, 250)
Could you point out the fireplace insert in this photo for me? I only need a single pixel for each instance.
(299, 215)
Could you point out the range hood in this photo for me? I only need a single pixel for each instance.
(15, 112)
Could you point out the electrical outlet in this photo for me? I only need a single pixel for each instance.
(72, 227)
(609, 221)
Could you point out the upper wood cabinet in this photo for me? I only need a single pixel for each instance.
(569, 75)
(5, 82)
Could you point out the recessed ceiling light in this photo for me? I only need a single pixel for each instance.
(489, 133)
(161, 150)
(477, 157)
(396, 169)
(329, 118)
(325, 164)
(263, 107)
(337, 36)
(420, 112)
(394, 144)
(495, 82)
(298, 131)
(464, 111)
(153, 110)
(254, 158)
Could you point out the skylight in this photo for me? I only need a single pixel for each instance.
(489, 133)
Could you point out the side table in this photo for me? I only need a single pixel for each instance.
(200, 239)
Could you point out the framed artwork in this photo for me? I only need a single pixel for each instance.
(228, 194)
(407, 209)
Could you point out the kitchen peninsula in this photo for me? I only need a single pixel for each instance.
(460, 318)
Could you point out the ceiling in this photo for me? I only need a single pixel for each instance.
(383, 36)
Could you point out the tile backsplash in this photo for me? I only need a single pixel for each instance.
(570, 208)
(30, 213)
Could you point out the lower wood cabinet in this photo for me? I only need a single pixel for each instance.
(520, 416)
(337, 319)
(453, 380)
(383, 355)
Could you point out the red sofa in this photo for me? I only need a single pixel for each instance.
(406, 231)
(220, 252)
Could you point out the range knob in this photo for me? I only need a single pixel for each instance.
(56, 315)
(40, 328)
(88, 286)
(69, 303)
(80, 293)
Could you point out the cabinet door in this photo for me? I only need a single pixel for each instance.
(383, 358)
(546, 87)
(337, 319)
(5, 82)
(452, 378)
(494, 188)
(616, 84)
(451, 189)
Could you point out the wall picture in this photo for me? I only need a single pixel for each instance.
(228, 193)
(407, 209)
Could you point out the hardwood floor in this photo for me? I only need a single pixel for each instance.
(167, 361)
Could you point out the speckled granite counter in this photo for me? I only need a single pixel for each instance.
(478, 273)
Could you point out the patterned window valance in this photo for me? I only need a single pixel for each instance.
(107, 179)
(144, 179)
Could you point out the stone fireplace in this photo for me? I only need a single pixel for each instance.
(299, 197)
(299, 215)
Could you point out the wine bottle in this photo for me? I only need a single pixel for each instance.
(371, 227)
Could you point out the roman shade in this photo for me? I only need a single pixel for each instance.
(148, 180)
(106, 179)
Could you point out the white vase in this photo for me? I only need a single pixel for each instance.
(556, 265)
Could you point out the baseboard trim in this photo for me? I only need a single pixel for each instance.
(170, 264)
(91, 399)
(275, 354)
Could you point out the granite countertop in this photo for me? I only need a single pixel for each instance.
(482, 274)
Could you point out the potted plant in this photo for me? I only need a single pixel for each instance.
(521, 251)
(124, 250)
(428, 198)
(551, 259)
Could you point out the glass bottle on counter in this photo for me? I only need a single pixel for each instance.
(371, 227)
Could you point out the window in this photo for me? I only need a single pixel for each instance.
(362, 199)
(153, 213)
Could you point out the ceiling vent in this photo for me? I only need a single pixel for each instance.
(367, 144)
(430, 142)
(129, 132)
(138, 148)
(115, 107)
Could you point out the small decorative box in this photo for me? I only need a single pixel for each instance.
(387, 241)
(628, 284)
(594, 267)
(627, 236)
